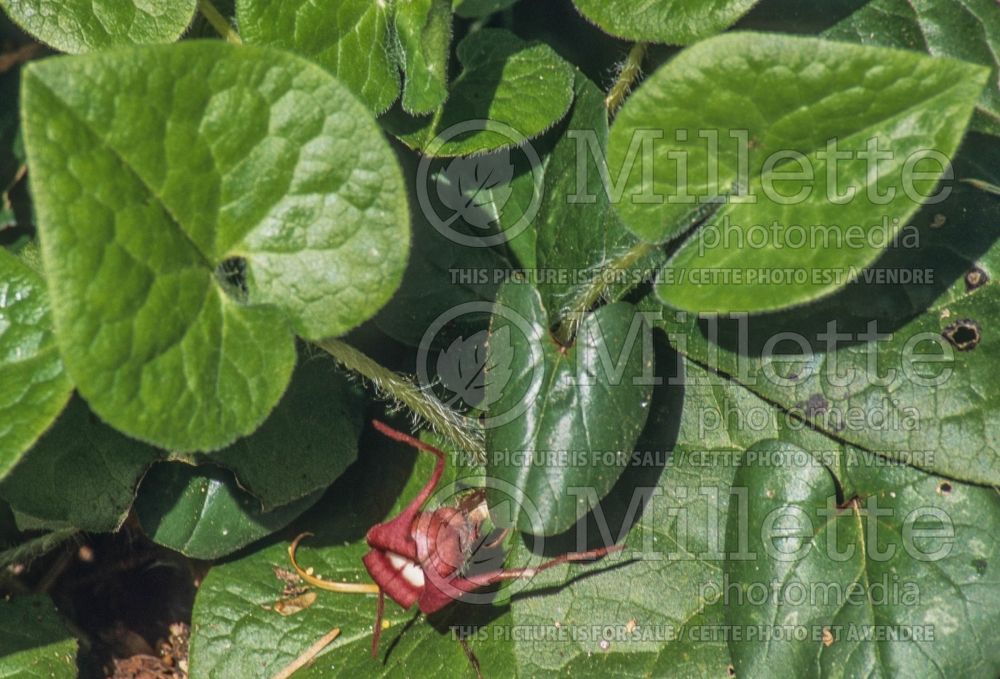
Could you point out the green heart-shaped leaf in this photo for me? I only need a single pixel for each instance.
(33, 383)
(561, 417)
(675, 22)
(198, 205)
(911, 554)
(85, 25)
(771, 104)
(509, 91)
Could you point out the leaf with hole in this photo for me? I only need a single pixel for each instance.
(188, 238)
(895, 579)
(880, 363)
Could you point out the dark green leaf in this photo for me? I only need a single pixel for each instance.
(444, 272)
(81, 473)
(476, 198)
(652, 612)
(202, 512)
(577, 231)
(34, 643)
(308, 441)
(479, 8)
(849, 587)
(589, 401)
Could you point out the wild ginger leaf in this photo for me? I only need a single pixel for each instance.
(189, 237)
(773, 104)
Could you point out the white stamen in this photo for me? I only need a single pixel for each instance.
(410, 571)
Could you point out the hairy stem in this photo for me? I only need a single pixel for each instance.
(627, 77)
(219, 22)
(32, 549)
(596, 290)
(463, 431)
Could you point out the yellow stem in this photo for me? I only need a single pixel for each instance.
(626, 78)
(219, 22)
(320, 583)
